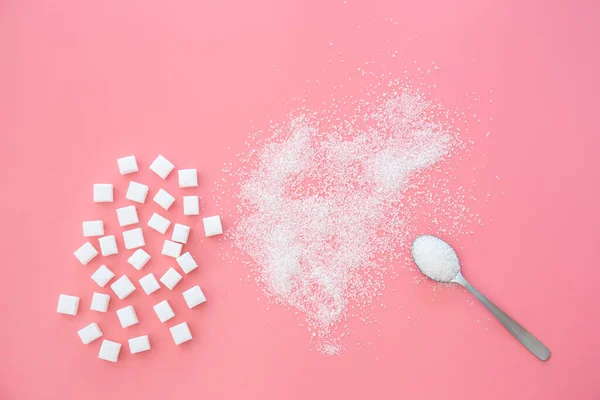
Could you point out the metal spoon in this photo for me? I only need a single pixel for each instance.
(527, 339)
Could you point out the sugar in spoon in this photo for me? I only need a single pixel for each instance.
(438, 261)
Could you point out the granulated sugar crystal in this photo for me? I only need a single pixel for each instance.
(435, 258)
(321, 205)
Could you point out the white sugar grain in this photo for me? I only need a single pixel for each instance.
(321, 206)
(435, 258)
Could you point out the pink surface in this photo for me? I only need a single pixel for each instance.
(83, 83)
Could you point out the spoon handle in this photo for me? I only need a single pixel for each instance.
(527, 339)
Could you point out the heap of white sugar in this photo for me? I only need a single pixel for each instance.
(435, 258)
(321, 204)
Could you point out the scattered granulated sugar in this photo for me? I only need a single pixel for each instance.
(324, 203)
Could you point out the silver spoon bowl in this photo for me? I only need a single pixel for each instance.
(521, 334)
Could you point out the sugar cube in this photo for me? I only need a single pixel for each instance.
(122, 287)
(109, 351)
(136, 192)
(89, 333)
(171, 249)
(100, 302)
(108, 245)
(170, 278)
(139, 259)
(181, 333)
(127, 215)
(103, 193)
(181, 233)
(188, 178)
(133, 238)
(212, 226)
(164, 199)
(93, 228)
(194, 296)
(127, 316)
(159, 223)
(191, 205)
(149, 283)
(86, 253)
(187, 262)
(164, 311)
(67, 304)
(162, 167)
(127, 165)
(139, 344)
(102, 275)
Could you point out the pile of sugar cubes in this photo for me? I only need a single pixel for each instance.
(133, 238)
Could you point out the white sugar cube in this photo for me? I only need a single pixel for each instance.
(67, 304)
(181, 333)
(93, 228)
(164, 311)
(170, 278)
(108, 245)
(136, 192)
(149, 283)
(159, 223)
(194, 296)
(127, 316)
(187, 262)
(102, 275)
(109, 351)
(86, 253)
(89, 333)
(103, 193)
(100, 302)
(133, 238)
(139, 259)
(127, 215)
(188, 178)
(212, 226)
(164, 199)
(162, 167)
(127, 165)
(181, 233)
(139, 344)
(191, 205)
(171, 249)
(122, 287)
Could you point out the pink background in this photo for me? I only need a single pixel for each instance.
(83, 83)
